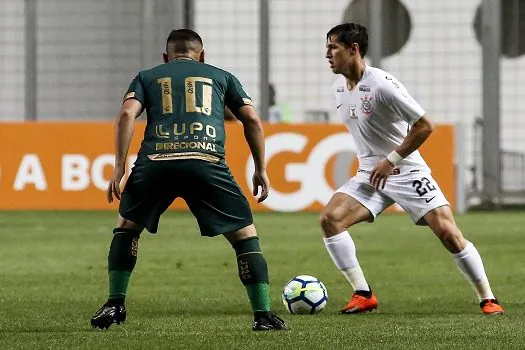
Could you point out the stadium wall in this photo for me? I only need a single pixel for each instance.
(438, 59)
(90, 50)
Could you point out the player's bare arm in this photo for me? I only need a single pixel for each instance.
(416, 136)
(124, 126)
(228, 115)
(254, 134)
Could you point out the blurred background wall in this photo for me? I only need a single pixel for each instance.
(73, 59)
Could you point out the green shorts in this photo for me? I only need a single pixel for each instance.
(209, 189)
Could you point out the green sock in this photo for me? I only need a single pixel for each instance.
(118, 284)
(259, 295)
(122, 258)
(253, 272)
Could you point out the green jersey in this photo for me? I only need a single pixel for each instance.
(185, 101)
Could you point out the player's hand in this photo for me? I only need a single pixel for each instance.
(380, 173)
(114, 184)
(260, 179)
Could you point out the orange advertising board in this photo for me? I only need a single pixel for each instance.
(67, 165)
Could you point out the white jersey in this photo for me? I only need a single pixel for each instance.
(378, 111)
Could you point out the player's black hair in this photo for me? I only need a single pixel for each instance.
(350, 33)
(183, 40)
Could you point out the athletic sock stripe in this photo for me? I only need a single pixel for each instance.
(126, 231)
(249, 253)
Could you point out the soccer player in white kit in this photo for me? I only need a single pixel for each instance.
(388, 127)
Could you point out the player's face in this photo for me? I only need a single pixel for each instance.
(339, 56)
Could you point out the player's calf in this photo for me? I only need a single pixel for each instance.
(122, 258)
(253, 273)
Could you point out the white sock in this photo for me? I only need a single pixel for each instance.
(341, 248)
(470, 263)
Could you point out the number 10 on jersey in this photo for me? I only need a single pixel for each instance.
(190, 87)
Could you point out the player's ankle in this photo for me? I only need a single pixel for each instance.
(116, 301)
(260, 315)
(364, 293)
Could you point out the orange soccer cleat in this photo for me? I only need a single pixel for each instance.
(491, 307)
(360, 303)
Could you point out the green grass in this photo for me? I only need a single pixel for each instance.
(185, 292)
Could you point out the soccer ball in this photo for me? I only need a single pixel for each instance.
(304, 295)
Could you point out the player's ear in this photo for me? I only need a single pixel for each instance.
(354, 49)
(201, 57)
(165, 57)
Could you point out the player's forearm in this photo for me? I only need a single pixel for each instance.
(416, 136)
(254, 134)
(123, 133)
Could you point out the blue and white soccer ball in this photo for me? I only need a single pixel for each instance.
(304, 295)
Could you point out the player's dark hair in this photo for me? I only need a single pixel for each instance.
(183, 40)
(350, 33)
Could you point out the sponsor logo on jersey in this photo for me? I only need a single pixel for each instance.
(366, 104)
(340, 89)
(183, 145)
(353, 112)
(364, 88)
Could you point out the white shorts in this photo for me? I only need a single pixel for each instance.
(417, 193)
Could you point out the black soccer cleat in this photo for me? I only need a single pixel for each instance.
(266, 321)
(108, 314)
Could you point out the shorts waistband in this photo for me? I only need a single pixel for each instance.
(396, 171)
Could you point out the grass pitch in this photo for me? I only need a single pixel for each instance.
(185, 292)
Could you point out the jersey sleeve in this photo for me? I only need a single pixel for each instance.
(397, 99)
(136, 90)
(235, 96)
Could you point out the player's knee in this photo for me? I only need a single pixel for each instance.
(128, 225)
(450, 235)
(242, 234)
(443, 229)
(330, 223)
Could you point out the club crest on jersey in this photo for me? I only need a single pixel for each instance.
(353, 112)
(366, 104)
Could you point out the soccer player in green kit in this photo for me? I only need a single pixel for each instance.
(182, 155)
